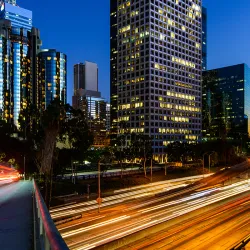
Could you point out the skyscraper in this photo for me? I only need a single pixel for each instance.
(86, 76)
(156, 56)
(88, 99)
(226, 102)
(52, 68)
(19, 17)
(204, 38)
(11, 1)
(16, 71)
(35, 48)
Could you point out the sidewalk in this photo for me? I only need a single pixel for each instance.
(16, 216)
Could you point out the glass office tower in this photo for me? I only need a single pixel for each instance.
(19, 17)
(6, 109)
(226, 102)
(17, 77)
(156, 66)
(52, 68)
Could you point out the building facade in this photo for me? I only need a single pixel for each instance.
(88, 99)
(204, 38)
(226, 102)
(86, 76)
(95, 111)
(156, 65)
(19, 17)
(16, 68)
(36, 43)
(108, 117)
(52, 79)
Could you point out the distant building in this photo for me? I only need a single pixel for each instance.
(226, 102)
(108, 117)
(86, 76)
(88, 99)
(94, 108)
(52, 79)
(204, 38)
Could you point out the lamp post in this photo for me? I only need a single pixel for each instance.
(203, 163)
(99, 186)
(209, 161)
(24, 160)
(151, 169)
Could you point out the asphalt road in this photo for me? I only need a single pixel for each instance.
(125, 219)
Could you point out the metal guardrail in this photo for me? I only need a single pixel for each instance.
(46, 235)
(242, 244)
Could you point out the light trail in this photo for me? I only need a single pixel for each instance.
(112, 200)
(81, 223)
(142, 189)
(101, 224)
(197, 201)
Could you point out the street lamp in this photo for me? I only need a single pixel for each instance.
(24, 160)
(151, 169)
(204, 163)
(99, 200)
(209, 160)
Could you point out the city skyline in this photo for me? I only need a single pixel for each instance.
(92, 43)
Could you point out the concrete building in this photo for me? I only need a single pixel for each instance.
(156, 66)
(226, 102)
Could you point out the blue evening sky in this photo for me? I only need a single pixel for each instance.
(80, 28)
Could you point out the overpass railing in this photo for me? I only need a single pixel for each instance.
(241, 245)
(46, 235)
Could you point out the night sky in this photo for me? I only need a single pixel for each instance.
(80, 28)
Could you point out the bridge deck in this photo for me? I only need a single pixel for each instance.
(16, 216)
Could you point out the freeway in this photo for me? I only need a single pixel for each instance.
(123, 195)
(217, 229)
(114, 223)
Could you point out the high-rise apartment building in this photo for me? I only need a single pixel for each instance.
(156, 65)
(204, 38)
(226, 102)
(52, 68)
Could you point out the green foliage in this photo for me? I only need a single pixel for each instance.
(76, 132)
(141, 146)
(179, 152)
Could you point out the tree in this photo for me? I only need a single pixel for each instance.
(179, 152)
(120, 149)
(141, 147)
(75, 132)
